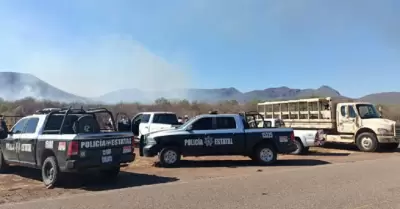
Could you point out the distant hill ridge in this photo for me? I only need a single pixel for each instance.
(21, 85)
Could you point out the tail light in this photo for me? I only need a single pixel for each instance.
(73, 148)
(292, 136)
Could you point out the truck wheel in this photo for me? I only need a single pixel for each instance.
(300, 148)
(169, 157)
(50, 172)
(265, 154)
(110, 174)
(367, 142)
(3, 164)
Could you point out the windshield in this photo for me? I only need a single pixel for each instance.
(187, 122)
(367, 111)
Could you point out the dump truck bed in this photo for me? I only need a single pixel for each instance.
(302, 113)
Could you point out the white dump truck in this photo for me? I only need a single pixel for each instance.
(337, 120)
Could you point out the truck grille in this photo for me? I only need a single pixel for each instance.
(397, 131)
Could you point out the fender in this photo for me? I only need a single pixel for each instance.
(307, 137)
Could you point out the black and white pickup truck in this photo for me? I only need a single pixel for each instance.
(58, 140)
(218, 134)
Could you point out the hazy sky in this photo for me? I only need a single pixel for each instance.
(90, 47)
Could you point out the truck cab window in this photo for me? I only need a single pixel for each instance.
(145, 118)
(226, 123)
(343, 111)
(31, 125)
(19, 127)
(165, 118)
(203, 124)
(352, 113)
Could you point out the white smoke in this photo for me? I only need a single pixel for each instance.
(91, 65)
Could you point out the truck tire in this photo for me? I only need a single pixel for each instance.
(367, 142)
(265, 154)
(301, 150)
(110, 174)
(50, 172)
(169, 157)
(3, 164)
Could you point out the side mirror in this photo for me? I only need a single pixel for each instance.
(189, 128)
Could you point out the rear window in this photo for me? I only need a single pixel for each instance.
(260, 124)
(165, 118)
(280, 123)
(54, 122)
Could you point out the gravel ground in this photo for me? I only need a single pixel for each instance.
(23, 184)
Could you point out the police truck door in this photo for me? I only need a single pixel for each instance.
(11, 144)
(195, 143)
(228, 138)
(28, 142)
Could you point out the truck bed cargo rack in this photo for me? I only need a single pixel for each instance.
(65, 111)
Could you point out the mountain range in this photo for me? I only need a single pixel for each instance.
(16, 86)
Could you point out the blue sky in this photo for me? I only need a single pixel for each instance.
(350, 45)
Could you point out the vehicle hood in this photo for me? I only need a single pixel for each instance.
(375, 123)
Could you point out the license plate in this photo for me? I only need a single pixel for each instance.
(126, 149)
(106, 159)
(283, 139)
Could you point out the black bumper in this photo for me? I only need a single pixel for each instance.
(87, 164)
(150, 150)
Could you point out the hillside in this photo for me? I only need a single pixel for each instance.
(16, 86)
(215, 95)
(384, 98)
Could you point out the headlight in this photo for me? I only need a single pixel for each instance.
(150, 140)
(383, 131)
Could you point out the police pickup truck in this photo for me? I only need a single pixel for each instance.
(58, 140)
(218, 134)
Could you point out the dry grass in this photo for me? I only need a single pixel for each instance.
(29, 106)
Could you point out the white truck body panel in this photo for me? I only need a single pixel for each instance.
(149, 126)
(307, 137)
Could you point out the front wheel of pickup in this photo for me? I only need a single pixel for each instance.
(50, 172)
(169, 157)
(265, 154)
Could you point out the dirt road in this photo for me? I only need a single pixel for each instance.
(24, 184)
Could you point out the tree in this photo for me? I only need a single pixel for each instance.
(162, 101)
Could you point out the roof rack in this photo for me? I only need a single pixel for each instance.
(69, 110)
(61, 110)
